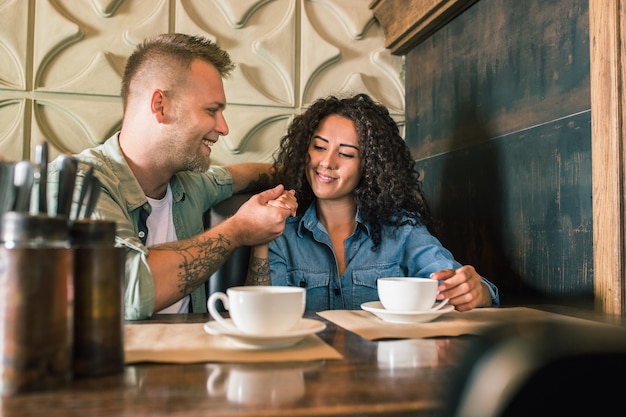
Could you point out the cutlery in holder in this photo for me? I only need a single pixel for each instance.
(36, 296)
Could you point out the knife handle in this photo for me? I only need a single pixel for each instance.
(41, 159)
(67, 180)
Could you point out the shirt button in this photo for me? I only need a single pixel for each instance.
(142, 234)
(337, 291)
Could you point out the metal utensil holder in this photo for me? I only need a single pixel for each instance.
(36, 296)
(99, 269)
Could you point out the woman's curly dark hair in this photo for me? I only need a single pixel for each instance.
(390, 190)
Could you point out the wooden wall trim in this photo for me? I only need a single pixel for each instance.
(607, 21)
(406, 23)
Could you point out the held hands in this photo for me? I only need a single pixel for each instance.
(262, 218)
(287, 200)
(464, 287)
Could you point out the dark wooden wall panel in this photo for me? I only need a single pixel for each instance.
(519, 209)
(498, 114)
(501, 66)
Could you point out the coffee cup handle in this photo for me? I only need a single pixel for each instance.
(440, 305)
(215, 383)
(216, 314)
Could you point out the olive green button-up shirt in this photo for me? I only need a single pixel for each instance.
(123, 201)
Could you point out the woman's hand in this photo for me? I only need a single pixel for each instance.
(464, 288)
(287, 200)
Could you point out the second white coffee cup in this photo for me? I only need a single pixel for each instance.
(407, 293)
(260, 310)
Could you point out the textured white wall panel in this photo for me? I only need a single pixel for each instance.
(261, 40)
(61, 63)
(13, 48)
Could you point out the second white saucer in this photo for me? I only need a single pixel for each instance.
(304, 328)
(405, 317)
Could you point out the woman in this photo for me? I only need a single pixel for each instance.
(361, 213)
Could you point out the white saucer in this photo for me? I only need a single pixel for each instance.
(303, 329)
(391, 316)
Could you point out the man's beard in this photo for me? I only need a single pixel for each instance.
(197, 164)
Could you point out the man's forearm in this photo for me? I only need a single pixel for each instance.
(180, 267)
(251, 177)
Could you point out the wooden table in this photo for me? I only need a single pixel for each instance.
(364, 383)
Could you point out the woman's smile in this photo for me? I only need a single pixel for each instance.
(324, 178)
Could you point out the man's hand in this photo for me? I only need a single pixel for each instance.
(262, 218)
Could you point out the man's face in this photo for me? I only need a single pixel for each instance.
(197, 120)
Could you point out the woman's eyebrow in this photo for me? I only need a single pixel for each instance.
(349, 146)
(320, 138)
(341, 144)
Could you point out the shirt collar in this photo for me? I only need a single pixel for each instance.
(135, 195)
(309, 221)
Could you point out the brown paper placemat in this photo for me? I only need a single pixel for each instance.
(454, 323)
(189, 343)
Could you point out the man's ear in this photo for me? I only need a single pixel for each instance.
(157, 105)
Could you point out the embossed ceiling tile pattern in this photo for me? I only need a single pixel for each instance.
(260, 37)
(106, 7)
(254, 134)
(67, 57)
(355, 15)
(11, 128)
(71, 125)
(238, 12)
(82, 47)
(360, 64)
(311, 64)
(13, 41)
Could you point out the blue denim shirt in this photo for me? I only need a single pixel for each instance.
(303, 256)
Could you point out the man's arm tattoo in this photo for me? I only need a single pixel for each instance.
(262, 183)
(195, 269)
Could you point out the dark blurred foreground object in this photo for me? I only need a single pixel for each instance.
(98, 277)
(36, 296)
(545, 368)
(49, 267)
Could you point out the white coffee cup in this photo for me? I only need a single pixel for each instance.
(260, 310)
(408, 293)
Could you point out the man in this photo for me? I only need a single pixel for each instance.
(156, 181)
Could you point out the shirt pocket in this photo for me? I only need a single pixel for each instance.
(364, 287)
(317, 285)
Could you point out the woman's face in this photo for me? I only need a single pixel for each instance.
(334, 168)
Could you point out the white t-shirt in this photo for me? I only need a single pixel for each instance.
(161, 229)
